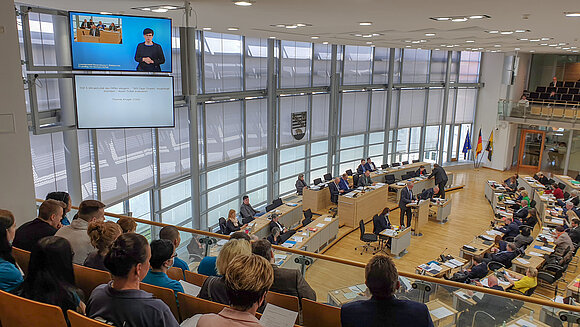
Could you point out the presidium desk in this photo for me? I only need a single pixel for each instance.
(362, 205)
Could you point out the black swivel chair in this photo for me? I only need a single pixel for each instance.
(222, 224)
(405, 162)
(390, 179)
(317, 181)
(307, 217)
(415, 160)
(354, 180)
(349, 172)
(367, 238)
(327, 177)
(277, 202)
(405, 177)
(395, 164)
(578, 177)
(494, 265)
(383, 166)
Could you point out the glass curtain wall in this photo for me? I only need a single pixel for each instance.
(120, 167)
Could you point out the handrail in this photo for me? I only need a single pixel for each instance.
(357, 264)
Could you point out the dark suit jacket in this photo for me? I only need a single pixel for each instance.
(439, 174)
(231, 228)
(333, 192)
(574, 234)
(427, 194)
(28, 234)
(530, 221)
(511, 229)
(418, 172)
(300, 184)
(94, 32)
(360, 169)
(406, 198)
(521, 213)
(273, 224)
(478, 271)
(380, 223)
(385, 313)
(291, 282)
(504, 257)
(370, 167)
(363, 180)
(343, 185)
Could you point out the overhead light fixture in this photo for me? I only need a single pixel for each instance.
(170, 7)
(520, 31)
(291, 26)
(367, 35)
(459, 18)
(493, 32)
(301, 25)
(315, 37)
(523, 39)
(415, 42)
(159, 10)
(573, 47)
(325, 42)
(280, 25)
(369, 42)
(105, 13)
(407, 46)
(532, 50)
(233, 28)
(476, 17)
(469, 41)
(365, 23)
(462, 19)
(145, 9)
(506, 32)
(272, 37)
(497, 45)
(437, 49)
(544, 44)
(429, 34)
(517, 49)
(243, 3)
(561, 43)
(565, 48)
(534, 40)
(553, 45)
(546, 38)
(206, 28)
(572, 14)
(408, 41)
(442, 18)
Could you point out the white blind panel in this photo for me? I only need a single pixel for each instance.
(256, 125)
(296, 61)
(321, 64)
(174, 147)
(288, 106)
(451, 105)
(357, 64)
(381, 66)
(86, 166)
(438, 66)
(320, 109)
(355, 107)
(412, 108)
(256, 64)
(435, 106)
(223, 131)
(469, 67)
(378, 110)
(465, 109)
(48, 165)
(394, 109)
(223, 62)
(415, 66)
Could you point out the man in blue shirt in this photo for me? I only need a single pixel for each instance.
(162, 254)
(361, 168)
(384, 309)
(171, 233)
(343, 184)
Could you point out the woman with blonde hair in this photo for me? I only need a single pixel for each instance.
(102, 235)
(214, 287)
(232, 224)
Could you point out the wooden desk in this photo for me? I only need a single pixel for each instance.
(364, 206)
(289, 216)
(530, 184)
(543, 203)
(379, 175)
(316, 200)
(573, 289)
(492, 187)
(420, 216)
(400, 240)
(110, 37)
(567, 180)
(481, 247)
(441, 313)
(440, 210)
(503, 284)
(462, 300)
(533, 260)
(445, 270)
(340, 296)
(420, 184)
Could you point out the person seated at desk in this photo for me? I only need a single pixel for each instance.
(381, 222)
(233, 225)
(510, 229)
(558, 192)
(365, 179)
(498, 307)
(94, 31)
(383, 308)
(370, 165)
(343, 185)
(246, 211)
(284, 232)
(208, 265)
(478, 268)
(85, 25)
(562, 242)
(429, 193)
(574, 231)
(539, 176)
(523, 196)
(503, 257)
(162, 254)
(274, 237)
(334, 189)
(101, 26)
(421, 171)
(522, 212)
(113, 27)
(530, 280)
(300, 184)
(361, 168)
(286, 281)
(524, 238)
(511, 184)
(532, 218)
(406, 198)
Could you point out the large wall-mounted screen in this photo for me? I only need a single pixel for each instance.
(124, 101)
(120, 43)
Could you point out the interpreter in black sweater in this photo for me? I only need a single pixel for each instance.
(149, 55)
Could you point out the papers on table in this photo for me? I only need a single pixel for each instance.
(522, 261)
(362, 287)
(484, 282)
(280, 257)
(275, 316)
(401, 184)
(462, 294)
(304, 234)
(327, 219)
(389, 232)
(405, 281)
(559, 299)
(453, 263)
(441, 312)
(432, 268)
(298, 239)
(354, 289)
(289, 244)
(535, 254)
(524, 323)
(543, 248)
(493, 232)
(189, 288)
(320, 225)
(350, 295)
(291, 204)
(487, 237)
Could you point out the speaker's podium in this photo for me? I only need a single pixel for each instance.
(420, 216)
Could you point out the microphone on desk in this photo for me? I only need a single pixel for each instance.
(441, 256)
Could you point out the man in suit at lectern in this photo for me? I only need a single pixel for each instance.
(406, 198)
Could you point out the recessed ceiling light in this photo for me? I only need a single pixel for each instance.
(520, 31)
(272, 37)
(359, 35)
(545, 38)
(476, 17)
(106, 13)
(365, 23)
(532, 50)
(573, 47)
(442, 18)
(565, 48)
(407, 46)
(517, 49)
(367, 35)
(280, 25)
(553, 45)
(233, 28)
(369, 42)
(544, 44)
(170, 7)
(449, 46)
(429, 34)
(469, 41)
(146, 9)
(376, 34)
(243, 3)
(561, 43)
(462, 19)
(558, 47)
(325, 42)
(207, 28)
(159, 10)
(291, 26)
(572, 14)
(437, 49)
(315, 37)
(523, 39)
(415, 42)
(534, 40)
(301, 25)
(506, 32)
(497, 45)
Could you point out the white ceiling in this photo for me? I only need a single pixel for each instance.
(335, 21)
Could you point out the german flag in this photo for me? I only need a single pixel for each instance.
(479, 146)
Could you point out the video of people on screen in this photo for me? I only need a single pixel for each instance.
(97, 29)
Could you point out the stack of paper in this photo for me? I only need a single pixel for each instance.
(522, 261)
(441, 312)
(275, 316)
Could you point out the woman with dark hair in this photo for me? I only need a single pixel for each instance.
(63, 197)
(10, 275)
(50, 278)
(121, 302)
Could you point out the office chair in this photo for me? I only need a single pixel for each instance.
(405, 177)
(327, 177)
(494, 265)
(395, 164)
(349, 172)
(405, 162)
(383, 166)
(415, 160)
(390, 179)
(354, 180)
(578, 178)
(317, 181)
(367, 238)
(277, 202)
(270, 207)
(307, 214)
(222, 224)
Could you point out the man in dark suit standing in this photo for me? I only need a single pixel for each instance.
(361, 168)
(334, 190)
(440, 179)
(384, 309)
(286, 281)
(406, 198)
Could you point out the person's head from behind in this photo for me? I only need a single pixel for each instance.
(148, 35)
(170, 233)
(128, 225)
(50, 272)
(511, 246)
(128, 257)
(229, 251)
(240, 236)
(246, 199)
(162, 253)
(436, 166)
(7, 232)
(248, 279)
(275, 233)
(575, 223)
(103, 234)
(62, 197)
(559, 229)
(232, 215)
(569, 205)
(525, 232)
(532, 272)
(92, 210)
(533, 212)
(51, 212)
(381, 276)
(477, 259)
(509, 220)
(492, 281)
(435, 189)
(263, 248)
(524, 203)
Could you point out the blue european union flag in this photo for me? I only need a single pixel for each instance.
(466, 145)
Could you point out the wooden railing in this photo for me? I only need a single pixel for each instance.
(362, 265)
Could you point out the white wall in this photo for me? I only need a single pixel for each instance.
(521, 78)
(17, 191)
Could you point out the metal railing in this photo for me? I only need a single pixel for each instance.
(564, 111)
